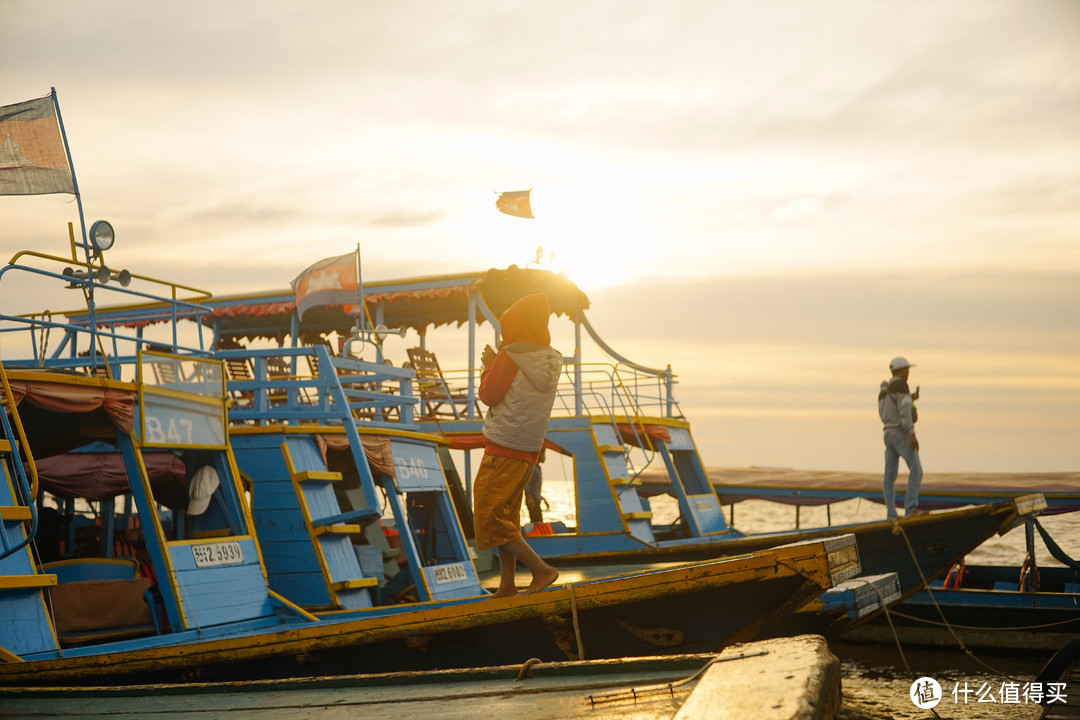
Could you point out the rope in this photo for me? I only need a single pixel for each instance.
(670, 687)
(526, 667)
(915, 618)
(897, 527)
(1055, 549)
(577, 626)
(884, 606)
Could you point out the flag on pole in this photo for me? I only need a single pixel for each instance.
(32, 156)
(333, 281)
(515, 203)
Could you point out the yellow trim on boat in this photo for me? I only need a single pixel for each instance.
(18, 513)
(9, 657)
(292, 606)
(26, 582)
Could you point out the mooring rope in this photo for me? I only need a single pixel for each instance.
(526, 667)
(1011, 628)
(577, 626)
(941, 614)
(884, 606)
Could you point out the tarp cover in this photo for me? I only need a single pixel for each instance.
(417, 303)
(738, 484)
(98, 476)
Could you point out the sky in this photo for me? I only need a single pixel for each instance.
(773, 198)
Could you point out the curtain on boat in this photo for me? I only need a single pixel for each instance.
(69, 398)
(377, 450)
(98, 476)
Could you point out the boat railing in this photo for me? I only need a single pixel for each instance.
(87, 344)
(308, 385)
(602, 389)
(605, 388)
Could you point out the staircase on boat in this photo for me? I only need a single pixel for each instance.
(28, 626)
(337, 466)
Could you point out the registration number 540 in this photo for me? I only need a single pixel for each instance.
(223, 553)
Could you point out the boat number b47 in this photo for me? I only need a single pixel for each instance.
(173, 431)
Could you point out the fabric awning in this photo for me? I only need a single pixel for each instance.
(71, 398)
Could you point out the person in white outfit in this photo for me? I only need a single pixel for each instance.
(896, 408)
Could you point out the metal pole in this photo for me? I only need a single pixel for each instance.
(82, 227)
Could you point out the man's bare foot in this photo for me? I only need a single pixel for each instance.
(542, 579)
(503, 593)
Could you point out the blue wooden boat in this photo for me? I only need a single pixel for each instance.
(803, 682)
(1030, 607)
(148, 563)
(618, 421)
(1026, 607)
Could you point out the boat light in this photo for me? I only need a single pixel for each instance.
(102, 235)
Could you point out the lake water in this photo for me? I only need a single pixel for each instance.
(876, 681)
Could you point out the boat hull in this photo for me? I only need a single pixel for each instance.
(923, 548)
(695, 608)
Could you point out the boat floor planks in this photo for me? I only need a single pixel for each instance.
(789, 678)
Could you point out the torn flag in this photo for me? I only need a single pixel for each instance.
(515, 203)
(333, 281)
(32, 156)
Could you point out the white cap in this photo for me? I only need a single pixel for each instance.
(201, 489)
(899, 363)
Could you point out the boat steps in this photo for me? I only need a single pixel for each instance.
(316, 476)
(364, 515)
(15, 513)
(355, 584)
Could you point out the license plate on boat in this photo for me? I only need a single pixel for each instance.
(211, 554)
(449, 573)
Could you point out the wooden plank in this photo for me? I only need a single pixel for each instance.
(624, 481)
(24, 582)
(317, 476)
(18, 513)
(338, 530)
(354, 584)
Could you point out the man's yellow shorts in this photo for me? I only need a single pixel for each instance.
(497, 492)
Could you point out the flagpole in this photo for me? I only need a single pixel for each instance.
(82, 227)
(74, 180)
(360, 290)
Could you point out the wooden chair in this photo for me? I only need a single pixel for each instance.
(239, 369)
(437, 398)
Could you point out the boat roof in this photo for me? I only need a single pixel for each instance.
(938, 490)
(417, 303)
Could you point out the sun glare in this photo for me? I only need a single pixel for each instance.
(597, 236)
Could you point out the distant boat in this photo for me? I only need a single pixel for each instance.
(1030, 607)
